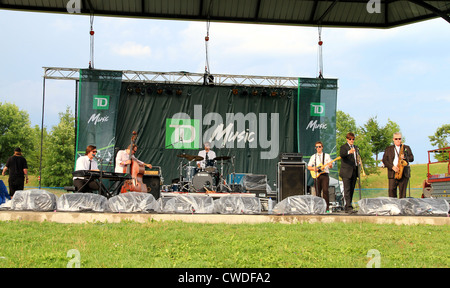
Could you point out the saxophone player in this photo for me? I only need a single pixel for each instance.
(396, 159)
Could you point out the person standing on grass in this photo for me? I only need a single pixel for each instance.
(18, 171)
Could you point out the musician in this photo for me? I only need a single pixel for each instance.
(391, 157)
(321, 183)
(86, 162)
(207, 155)
(123, 159)
(349, 170)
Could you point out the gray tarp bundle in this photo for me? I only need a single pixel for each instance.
(82, 202)
(188, 203)
(33, 200)
(425, 206)
(236, 204)
(405, 206)
(133, 202)
(301, 204)
(380, 206)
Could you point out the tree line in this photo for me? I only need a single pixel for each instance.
(58, 147)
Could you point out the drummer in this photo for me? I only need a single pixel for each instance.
(208, 156)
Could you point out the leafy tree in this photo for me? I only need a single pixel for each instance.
(379, 136)
(15, 131)
(344, 124)
(441, 139)
(34, 156)
(60, 152)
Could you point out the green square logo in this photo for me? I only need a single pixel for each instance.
(317, 109)
(101, 102)
(182, 133)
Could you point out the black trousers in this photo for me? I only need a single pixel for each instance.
(349, 189)
(89, 187)
(321, 185)
(16, 183)
(401, 184)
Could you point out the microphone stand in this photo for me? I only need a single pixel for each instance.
(101, 175)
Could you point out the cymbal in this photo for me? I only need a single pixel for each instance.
(190, 157)
(222, 158)
(194, 158)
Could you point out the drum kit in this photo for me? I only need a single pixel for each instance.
(207, 179)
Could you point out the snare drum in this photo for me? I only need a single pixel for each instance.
(176, 187)
(210, 166)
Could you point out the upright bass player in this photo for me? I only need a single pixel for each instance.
(396, 159)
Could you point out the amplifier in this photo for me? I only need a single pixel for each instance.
(290, 157)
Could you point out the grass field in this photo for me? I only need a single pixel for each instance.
(187, 245)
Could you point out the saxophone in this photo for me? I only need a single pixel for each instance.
(401, 164)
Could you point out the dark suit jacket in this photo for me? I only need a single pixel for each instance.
(347, 161)
(388, 160)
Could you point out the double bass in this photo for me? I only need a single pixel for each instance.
(137, 171)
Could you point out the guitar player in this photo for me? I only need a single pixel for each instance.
(319, 165)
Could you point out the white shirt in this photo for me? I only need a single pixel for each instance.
(211, 156)
(121, 157)
(316, 159)
(83, 163)
(397, 152)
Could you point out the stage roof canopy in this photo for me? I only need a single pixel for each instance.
(335, 13)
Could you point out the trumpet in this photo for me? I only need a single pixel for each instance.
(362, 166)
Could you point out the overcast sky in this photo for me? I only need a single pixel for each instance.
(401, 74)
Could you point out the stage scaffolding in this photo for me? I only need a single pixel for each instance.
(183, 77)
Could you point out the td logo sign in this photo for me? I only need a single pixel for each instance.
(182, 133)
(317, 109)
(101, 102)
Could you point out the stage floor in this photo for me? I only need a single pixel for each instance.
(338, 217)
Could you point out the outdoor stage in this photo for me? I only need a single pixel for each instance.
(84, 217)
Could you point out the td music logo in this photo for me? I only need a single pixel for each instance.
(99, 102)
(182, 132)
(316, 110)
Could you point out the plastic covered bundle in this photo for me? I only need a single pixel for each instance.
(425, 206)
(237, 204)
(301, 204)
(132, 202)
(188, 204)
(33, 200)
(254, 182)
(82, 202)
(380, 206)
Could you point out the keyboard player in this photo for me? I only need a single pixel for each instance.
(86, 162)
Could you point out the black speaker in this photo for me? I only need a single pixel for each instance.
(153, 185)
(291, 179)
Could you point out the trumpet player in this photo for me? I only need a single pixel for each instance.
(396, 159)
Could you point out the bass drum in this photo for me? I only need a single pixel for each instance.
(202, 180)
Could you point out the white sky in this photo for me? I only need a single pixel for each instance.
(400, 74)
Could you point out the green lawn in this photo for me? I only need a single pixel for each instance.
(176, 244)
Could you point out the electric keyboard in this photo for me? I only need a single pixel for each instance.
(105, 175)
